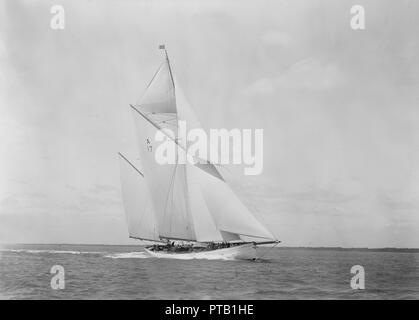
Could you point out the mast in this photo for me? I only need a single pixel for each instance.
(184, 167)
(163, 47)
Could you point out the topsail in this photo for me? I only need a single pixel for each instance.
(189, 202)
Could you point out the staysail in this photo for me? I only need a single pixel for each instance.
(190, 202)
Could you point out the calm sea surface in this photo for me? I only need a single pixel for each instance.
(124, 272)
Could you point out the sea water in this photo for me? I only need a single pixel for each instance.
(126, 272)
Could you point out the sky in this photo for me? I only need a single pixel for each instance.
(339, 109)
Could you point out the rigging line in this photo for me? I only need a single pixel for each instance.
(138, 238)
(152, 79)
(166, 120)
(121, 155)
(170, 68)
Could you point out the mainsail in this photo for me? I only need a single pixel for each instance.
(189, 202)
(167, 184)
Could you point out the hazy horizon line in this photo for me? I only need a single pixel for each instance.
(279, 247)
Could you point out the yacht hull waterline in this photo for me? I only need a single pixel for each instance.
(240, 252)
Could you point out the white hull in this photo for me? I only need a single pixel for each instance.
(241, 252)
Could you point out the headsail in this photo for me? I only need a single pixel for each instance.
(137, 203)
(228, 212)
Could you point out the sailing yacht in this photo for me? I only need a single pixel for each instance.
(187, 210)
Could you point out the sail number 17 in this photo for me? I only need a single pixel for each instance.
(149, 146)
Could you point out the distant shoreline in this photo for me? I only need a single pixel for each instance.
(354, 249)
(361, 249)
